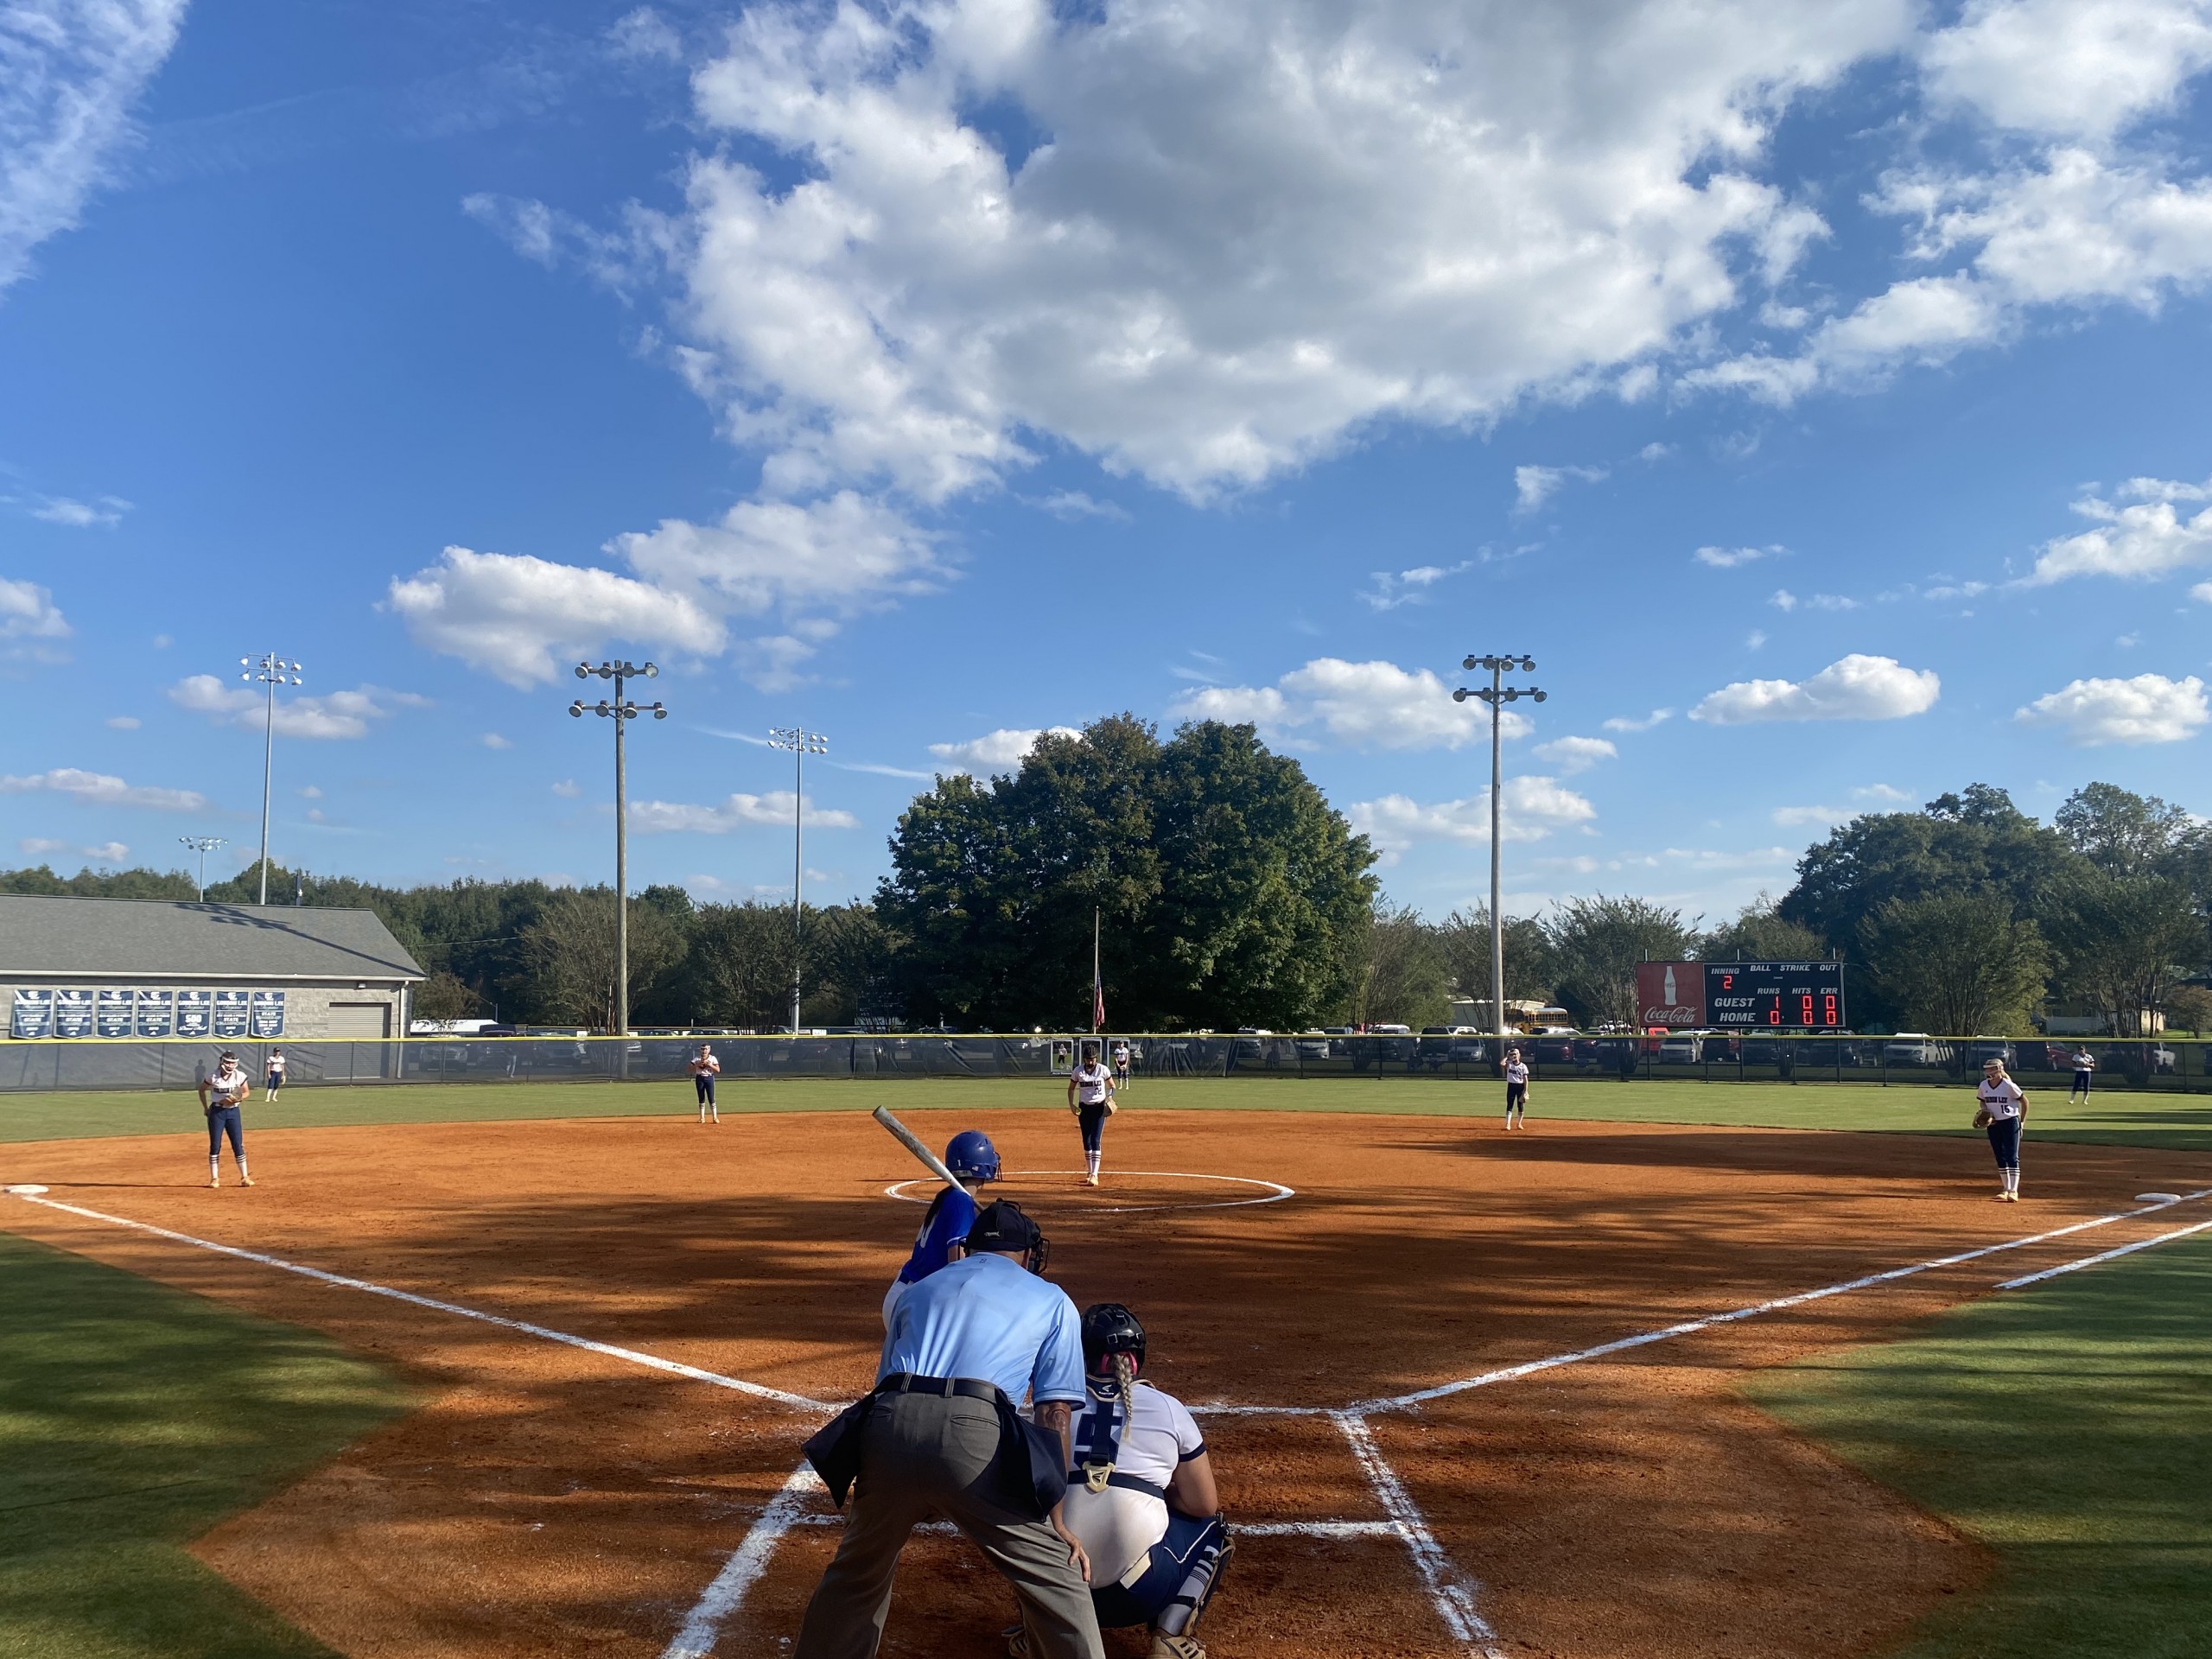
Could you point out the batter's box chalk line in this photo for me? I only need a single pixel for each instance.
(1453, 1594)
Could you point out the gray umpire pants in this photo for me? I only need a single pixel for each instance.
(926, 1455)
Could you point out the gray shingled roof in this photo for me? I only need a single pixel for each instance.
(45, 936)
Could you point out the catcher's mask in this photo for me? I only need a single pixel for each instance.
(1108, 1328)
(1001, 1227)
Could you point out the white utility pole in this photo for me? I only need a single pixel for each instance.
(621, 711)
(272, 671)
(1497, 694)
(801, 743)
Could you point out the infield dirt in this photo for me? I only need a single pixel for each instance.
(551, 1500)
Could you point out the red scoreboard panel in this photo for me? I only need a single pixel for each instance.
(1774, 995)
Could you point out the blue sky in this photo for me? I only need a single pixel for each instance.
(1815, 391)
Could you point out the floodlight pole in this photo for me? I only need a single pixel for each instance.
(801, 743)
(203, 845)
(621, 711)
(272, 671)
(1497, 695)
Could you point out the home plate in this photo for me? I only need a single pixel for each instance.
(27, 1190)
(2140, 1198)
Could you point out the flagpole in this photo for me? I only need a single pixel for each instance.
(1098, 985)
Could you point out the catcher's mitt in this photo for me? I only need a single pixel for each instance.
(1982, 1120)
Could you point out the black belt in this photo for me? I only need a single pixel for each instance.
(968, 1387)
(1127, 1482)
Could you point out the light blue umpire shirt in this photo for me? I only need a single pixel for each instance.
(990, 1317)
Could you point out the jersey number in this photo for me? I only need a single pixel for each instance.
(1098, 1436)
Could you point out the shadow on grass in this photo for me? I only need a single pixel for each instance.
(2069, 1427)
(133, 1418)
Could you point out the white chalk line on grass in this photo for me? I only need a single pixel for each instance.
(2107, 1255)
(674, 1367)
(1276, 1190)
(1690, 1327)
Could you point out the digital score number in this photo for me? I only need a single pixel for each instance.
(1774, 995)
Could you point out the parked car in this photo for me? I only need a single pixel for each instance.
(1911, 1048)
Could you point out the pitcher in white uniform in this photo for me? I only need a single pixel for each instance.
(1141, 1500)
(2003, 1112)
(1090, 1097)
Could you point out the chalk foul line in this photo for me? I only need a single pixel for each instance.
(1691, 1327)
(674, 1367)
(746, 1563)
(2106, 1256)
(1451, 1593)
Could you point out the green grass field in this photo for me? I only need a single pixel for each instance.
(133, 1418)
(2175, 1121)
(2069, 1429)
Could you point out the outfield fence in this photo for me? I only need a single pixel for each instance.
(2165, 1065)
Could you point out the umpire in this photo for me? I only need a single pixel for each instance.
(939, 1436)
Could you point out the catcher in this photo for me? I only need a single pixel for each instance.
(1142, 1502)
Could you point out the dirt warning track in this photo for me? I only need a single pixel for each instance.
(552, 1498)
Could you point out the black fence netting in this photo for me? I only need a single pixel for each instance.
(2163, 1064)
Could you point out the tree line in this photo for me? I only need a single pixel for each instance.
(1226, 891)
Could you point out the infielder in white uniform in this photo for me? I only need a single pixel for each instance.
(706, 1066)
(1090, 1097)
(1517, 1090)
(2003, 1113)
(1141, 1500)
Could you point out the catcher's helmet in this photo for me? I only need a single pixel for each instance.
(970, 1155)
(1108, 1328)
(1000, 1227)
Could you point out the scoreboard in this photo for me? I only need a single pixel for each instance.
(1774, 995)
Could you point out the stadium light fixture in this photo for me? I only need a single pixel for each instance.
(272, 672)
(203, 845)
(621, 710)
(1497, 694)
(801, 743)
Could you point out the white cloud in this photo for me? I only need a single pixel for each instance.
(646, 34)
(1727, 558)
(1533, 485)
(1376, 705)
(1532, 808)
(493, 741)
(1856, 687)
(739, 812)
(107, 852)
(69, 74)
(1622, 723)
(99, 789)
(1887, 792)
(994, 752)
(811, 565)
(1068, 506)
(338, 715)
(122, 722)
(80, 515)
(1410, 587)
(520, 618)
(310, 792)
(1783, 600)
(568, 788)
(1792, 816)
(28, 612)
(2145, 539)
(2084, 69)
(2149, 709)
(1573, 754)
(1755, 638)
(1407, 212)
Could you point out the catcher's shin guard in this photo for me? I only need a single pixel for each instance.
(1184, 1609)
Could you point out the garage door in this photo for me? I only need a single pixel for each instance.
(361, 1020)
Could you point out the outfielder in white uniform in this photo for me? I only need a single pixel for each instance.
(1141, 1500)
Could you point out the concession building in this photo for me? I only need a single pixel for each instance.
(153, 970)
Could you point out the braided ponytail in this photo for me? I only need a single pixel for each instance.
(1125, 1377)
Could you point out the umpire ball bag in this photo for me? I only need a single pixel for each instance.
(1032, 1469)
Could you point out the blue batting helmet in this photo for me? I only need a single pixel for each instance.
(970, 1155)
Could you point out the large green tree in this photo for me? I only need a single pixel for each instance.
(2125, 941)
(1598, 942)
(1530, 963)
(1760, 932)
(1405, 976)
(1227, 890)
(1957, 964)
